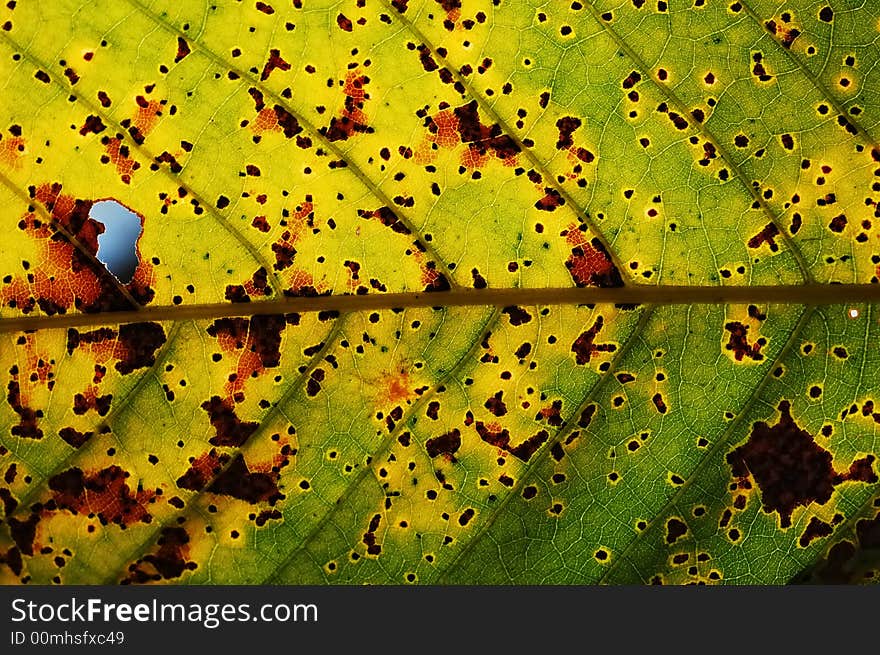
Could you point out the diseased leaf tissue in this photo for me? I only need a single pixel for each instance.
(296, 149)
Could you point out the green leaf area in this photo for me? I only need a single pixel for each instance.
(440, 291)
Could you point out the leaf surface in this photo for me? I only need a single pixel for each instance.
(440, 292)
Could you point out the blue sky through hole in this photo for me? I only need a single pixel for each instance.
(116, 246)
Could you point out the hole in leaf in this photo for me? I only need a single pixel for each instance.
(117, 244)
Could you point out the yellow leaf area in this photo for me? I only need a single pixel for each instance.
(294, 151)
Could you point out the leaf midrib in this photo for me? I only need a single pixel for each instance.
(808, 294)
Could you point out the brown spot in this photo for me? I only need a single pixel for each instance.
(93, 125)
(134, 345)
(24, 532)
(675, 529)
(495, 405)
(268, 515)
(182, 49)
(27, 425)
(790, 468)
(369, 539)
(229, 429)
(446, 444)
(816, 529)
(766, 235)
(275, 61)
(286, 121)
(13, 560)
(739, 343)
(659, 403)
(168, 562)
(353, 119)
(387, 217)
(500, 438)
(566, 126)
(517, 315)
(587, 416)
(103, 493)
(230, 476)
(527, 448)
(551, 414)
(461, 125)
(589, 263)
(868, 532)
(584, 347)
(74, 437)
(838, 223)
(343, 23)
(433, 279)
(550, 201)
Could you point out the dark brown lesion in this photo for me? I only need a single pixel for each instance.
(516, 315)
(496, 405)
(169, 561)
(585, 346)
(483, 139)
(229, 429)
(446, 444)
(816, 529)
(369, 538)
(27, 427)
(183, 49)
(590, 263)
(767, 235)
(739, 344)
(850, 560)
(275, 61)
(790, 468)
(675, 529)
(500, 438)
(387, 217)
(102, 493)
(229, 475)
(353, 119)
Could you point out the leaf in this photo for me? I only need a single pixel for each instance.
(440, 292)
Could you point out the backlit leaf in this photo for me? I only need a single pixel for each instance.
(439, 291)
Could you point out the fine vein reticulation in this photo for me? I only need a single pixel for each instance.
(441, 291)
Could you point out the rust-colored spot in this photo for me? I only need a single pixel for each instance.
(450, 128)
(766, 235)
(12, 149)
(68, 276)
(589, 263)
(275, 61)
(224, 475)
(255, 343)
(104, 493)
(352, 119)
